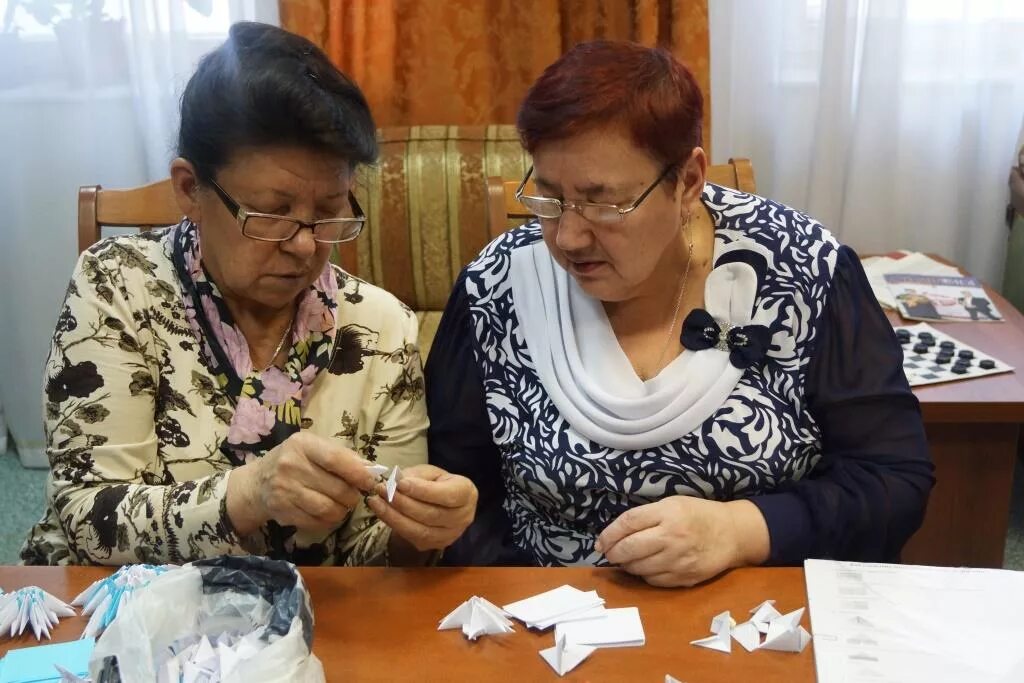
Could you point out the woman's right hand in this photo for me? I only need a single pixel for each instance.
(307, 481)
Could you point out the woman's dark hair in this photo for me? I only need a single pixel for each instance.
(266, 86)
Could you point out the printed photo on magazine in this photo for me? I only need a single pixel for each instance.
(941, 298)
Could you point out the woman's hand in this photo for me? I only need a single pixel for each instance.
(431, 507)
(308, 482)
(682, 540)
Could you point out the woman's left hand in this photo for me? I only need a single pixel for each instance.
(431, 507)
(682, 540)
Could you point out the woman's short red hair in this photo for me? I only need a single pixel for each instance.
(605, 82)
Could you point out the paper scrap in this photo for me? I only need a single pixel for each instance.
(477, 617)
(619, 627)
(566, 656)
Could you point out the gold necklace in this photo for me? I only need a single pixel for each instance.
(679, 301)
(280, 345)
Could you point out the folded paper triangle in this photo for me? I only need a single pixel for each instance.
(564, 656)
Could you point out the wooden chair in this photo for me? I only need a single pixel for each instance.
(505, 211)
(147, 207)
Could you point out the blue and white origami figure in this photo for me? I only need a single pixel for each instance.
(34, 607)
(104, 598)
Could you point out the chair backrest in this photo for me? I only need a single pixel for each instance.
(426, 201)
(146, 207)
(504, 210)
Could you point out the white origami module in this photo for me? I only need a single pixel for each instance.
(721, 628)
(477, 617)
(31, 606)
(565, 656)
(747, 635)
(392, 484)
(785, 633)
(763, 614)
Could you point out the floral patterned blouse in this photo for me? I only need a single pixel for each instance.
(136, 419)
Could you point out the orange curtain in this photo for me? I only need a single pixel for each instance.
(463, 62)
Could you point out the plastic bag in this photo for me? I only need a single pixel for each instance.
(225, 595)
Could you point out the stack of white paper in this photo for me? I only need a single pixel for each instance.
(477, 617)
(555, 606)
(619, 627)
(913, 263)
(782, 632)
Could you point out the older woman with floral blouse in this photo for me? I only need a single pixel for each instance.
(660, 373)
(219, 387)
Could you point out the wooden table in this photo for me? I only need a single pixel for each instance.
(375, 624)
(973, 430)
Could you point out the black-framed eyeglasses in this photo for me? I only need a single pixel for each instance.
(549, 208)
(269, 227)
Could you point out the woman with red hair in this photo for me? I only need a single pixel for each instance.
(660, 373)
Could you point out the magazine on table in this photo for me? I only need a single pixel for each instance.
(942, 298)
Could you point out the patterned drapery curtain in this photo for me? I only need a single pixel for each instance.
(462, 62)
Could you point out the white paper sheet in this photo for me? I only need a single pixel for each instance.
(550, 607)
(577, 615)
(903, 623)
(620, 627)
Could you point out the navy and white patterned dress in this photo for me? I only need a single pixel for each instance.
(822, 434)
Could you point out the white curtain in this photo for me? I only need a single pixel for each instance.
(893, 122)
(88, 95)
